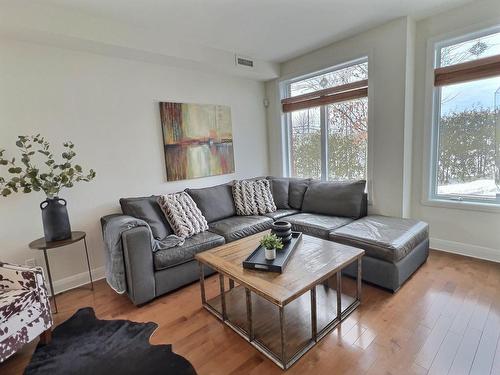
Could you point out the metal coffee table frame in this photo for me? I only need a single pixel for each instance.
(280, 359)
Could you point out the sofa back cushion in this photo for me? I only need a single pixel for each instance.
(147, 209)
(279, 189)
(345, 199)
(296, 190)
(215, 202)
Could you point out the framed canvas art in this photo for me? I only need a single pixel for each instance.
(197, 140)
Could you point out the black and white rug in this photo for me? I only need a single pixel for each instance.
(84, 344)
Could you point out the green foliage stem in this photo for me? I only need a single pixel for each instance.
(50, 176)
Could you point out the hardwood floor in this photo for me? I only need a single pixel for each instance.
(444, 320)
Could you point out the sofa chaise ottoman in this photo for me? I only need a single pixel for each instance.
(394, 247)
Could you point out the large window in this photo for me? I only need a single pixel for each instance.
(326, 120)
(466, 124)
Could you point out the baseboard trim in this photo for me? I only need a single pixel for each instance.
(469, 250)
(74, 281)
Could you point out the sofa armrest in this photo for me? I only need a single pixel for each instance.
(139, 268)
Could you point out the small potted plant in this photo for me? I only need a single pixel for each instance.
(271, 243)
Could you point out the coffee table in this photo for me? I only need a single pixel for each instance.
(282, 315)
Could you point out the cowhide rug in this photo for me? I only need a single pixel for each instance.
(84, 344)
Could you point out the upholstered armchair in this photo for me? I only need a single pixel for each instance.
(24, 308)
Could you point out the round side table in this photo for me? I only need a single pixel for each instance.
(41, 244)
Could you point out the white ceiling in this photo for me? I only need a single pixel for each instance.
(271, 30)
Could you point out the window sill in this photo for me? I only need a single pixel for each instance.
(462, 205)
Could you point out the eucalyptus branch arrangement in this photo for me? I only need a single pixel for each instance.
(51, 177)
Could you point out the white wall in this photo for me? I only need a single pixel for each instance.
(389, 101)
(470, 232)
(109, 108)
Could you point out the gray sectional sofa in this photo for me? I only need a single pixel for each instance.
(395, 247)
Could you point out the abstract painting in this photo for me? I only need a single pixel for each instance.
(197, 140)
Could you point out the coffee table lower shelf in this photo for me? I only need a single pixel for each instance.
(282, 333)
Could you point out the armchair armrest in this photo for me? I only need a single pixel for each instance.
(13, 277)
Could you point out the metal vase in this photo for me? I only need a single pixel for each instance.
(56, 226)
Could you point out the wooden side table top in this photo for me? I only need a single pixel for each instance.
(313, 261)
(41, 244)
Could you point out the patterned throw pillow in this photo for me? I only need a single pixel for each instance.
(253, 197)
(183, 215)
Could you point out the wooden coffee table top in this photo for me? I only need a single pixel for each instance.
(314, 261)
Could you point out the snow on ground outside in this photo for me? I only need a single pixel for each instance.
(478, 187)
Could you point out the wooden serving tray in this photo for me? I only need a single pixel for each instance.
(258, 261)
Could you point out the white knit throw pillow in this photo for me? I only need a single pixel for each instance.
(183, 215)
(253, 197)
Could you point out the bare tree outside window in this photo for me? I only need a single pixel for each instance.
(345, 128)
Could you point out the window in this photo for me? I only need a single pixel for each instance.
(326, 117)
(466, 122)
(347, 139)
(305, 137)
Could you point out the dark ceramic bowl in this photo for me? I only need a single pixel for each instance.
(287, 238)
(282, 234)
(281, 226)
(283, 230)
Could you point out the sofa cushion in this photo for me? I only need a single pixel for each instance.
(215, 202)
(279, 189)
(147, 209)
(296, 190)
(315, 224)
(236, 227)
(383, 237)
(181, 254)
(278, 214)
(335, 198)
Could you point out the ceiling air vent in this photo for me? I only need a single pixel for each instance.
(244, 62)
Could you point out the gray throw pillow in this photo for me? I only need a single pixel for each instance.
(296, 191)
(335, 198)
(279, 188)
(147, 209)
(215, 202)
